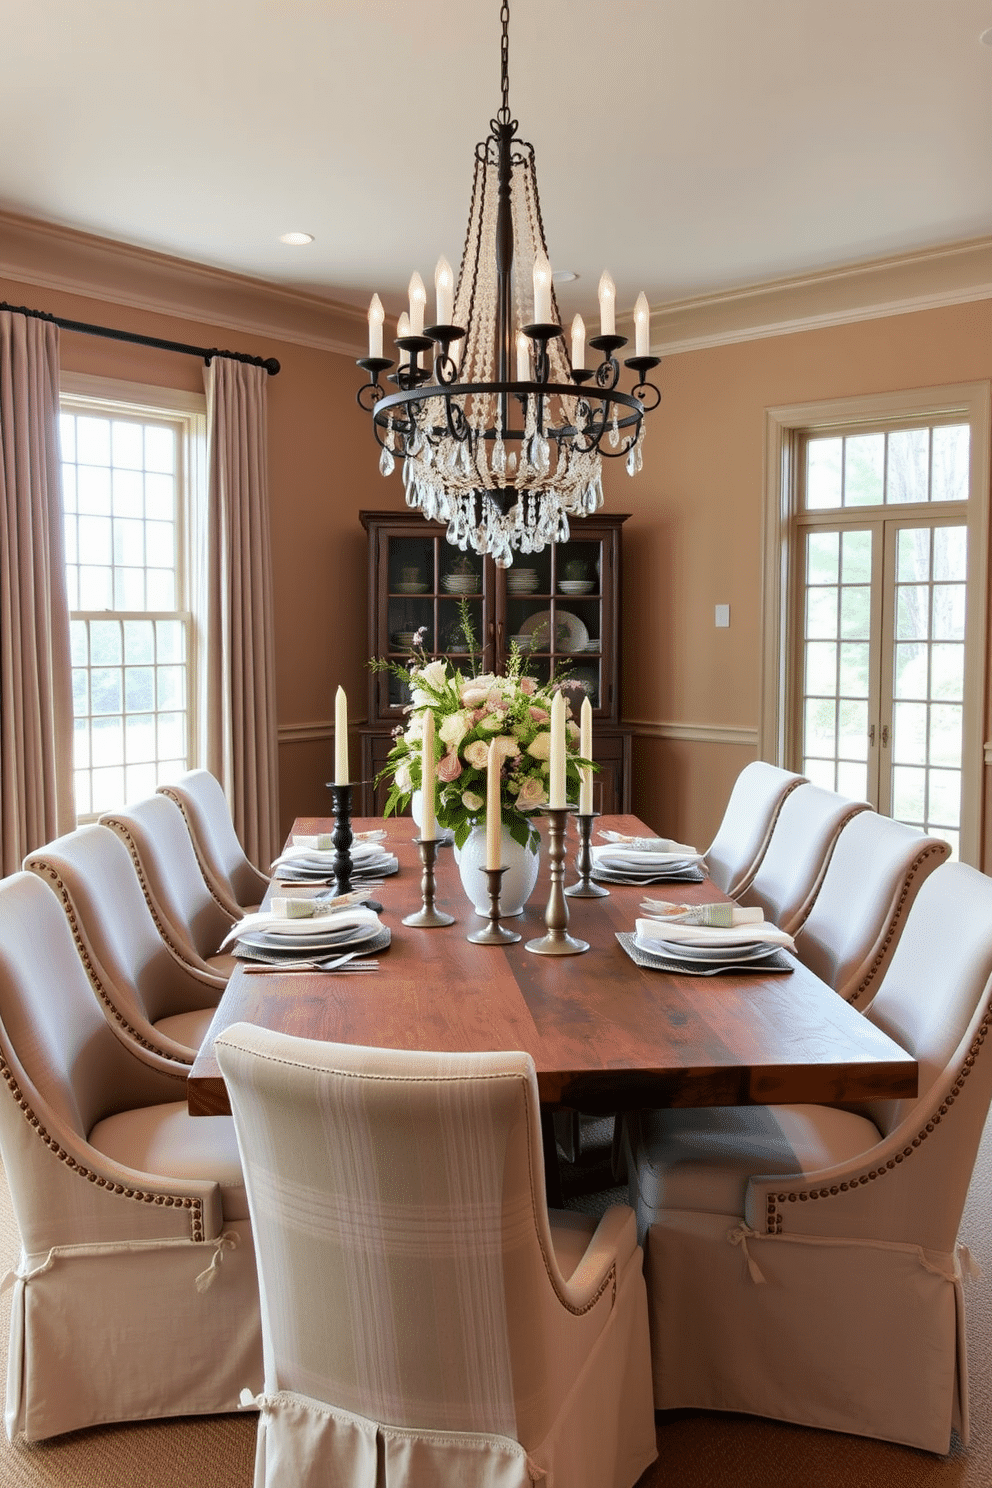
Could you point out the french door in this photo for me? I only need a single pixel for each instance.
(881, 665)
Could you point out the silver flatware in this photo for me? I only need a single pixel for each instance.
(294, 968)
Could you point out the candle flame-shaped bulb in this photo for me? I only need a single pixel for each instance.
(418, 300)
(642, 326)
(444, 289)
(376, 317)
(578, 343)
(542, 290)
(523, 357)
(403, 329)
(607, 304)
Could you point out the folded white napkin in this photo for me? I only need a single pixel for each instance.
(344, 919)
(360, 852)
(642, 857)
(294, 908)
(324, 841)
(706, 935)
(721, 916)
(650, 844)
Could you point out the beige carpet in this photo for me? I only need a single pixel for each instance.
(696, 1450)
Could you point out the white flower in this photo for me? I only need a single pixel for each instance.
(531, 794)
(471, 801)
(402, 776)
(415, 729)
(477, 754)
(454, 728)
(507, 746)
(472, 695)
(433, 675)
(540, 747)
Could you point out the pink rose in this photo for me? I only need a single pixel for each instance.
(539, 715)
(449, 768)
(532, 793)
(527, 684)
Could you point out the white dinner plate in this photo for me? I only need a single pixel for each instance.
(724, 954)
(297, 945)
(572, 635)
(777, 962)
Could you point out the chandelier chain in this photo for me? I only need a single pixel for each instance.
(504, 74)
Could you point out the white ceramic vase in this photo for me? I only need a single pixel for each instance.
(518, 881)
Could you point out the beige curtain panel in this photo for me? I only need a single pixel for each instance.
(238, 703)
(36, 800)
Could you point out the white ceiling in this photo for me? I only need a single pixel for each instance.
(688, 145)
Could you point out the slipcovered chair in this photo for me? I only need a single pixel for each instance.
(874, 874)
(425, 1320)
(187, 915)
(145, 988)
(795, 860)
(135, 1294)
(235, 882)
(733, 856)
(802, 1261)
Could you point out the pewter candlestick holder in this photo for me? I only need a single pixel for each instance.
(557, 942)
(585, 888)
(343, 837)
(493, 933)
(428, 917)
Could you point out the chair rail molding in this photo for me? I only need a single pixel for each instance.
(693, 733)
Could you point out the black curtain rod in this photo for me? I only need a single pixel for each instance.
(269, 363)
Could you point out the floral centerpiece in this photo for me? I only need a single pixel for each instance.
(473, 710)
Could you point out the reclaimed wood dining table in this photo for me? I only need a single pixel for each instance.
(604, 1033)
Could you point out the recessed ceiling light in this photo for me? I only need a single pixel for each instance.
(563, 276)
(986, 37)
(296, 240)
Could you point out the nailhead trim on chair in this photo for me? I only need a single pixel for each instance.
(166, 790)
(39, 864)
(124, 833)
(882, 952)
(165, 1201)
(773, 1218)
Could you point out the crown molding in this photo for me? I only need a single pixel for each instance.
(60, 258)
(952, 274)
(63, 259)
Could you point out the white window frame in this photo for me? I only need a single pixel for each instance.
(784, 427)
(109, 397)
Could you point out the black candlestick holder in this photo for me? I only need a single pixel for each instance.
(557, 942)
(343, 837)
(493, 933)
(428, 917)
(585, 888)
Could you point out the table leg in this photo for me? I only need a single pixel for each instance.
(552, 1172)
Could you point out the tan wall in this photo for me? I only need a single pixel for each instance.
(693, 539)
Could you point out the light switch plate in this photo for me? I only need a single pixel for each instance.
(721, 618)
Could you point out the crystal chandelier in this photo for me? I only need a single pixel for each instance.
(505, 463)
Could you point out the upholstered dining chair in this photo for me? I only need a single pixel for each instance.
(791, 870)
(733, 856)
(802, 1261)
(145, 987)
(234, 881)
(135, 1295)
(425, 1320)
(187, 915)
(874, 874)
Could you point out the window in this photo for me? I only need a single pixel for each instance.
(881, 542)
(130, 461)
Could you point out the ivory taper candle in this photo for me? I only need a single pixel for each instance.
(376, 317)
(428, 830)
(607, 304)
(542, 290)
(556, 781)
(642, 326)
(418, 302)
(444, 289)
(578, 343)
(585, 749)
(341, 776)
(494, 816)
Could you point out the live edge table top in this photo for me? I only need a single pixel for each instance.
(604, 1033)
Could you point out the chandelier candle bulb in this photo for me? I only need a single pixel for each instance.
(556, 776)
(494, 816)
(542, 290)
(607, 305)
(444, 289)
(585, 750)
(376, 317)
(428, 830)
(578, 343)
(341, 776)
(418, 303)
(403, 329)
(642, 326)
(523, 357)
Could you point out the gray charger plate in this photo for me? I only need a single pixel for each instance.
(379, 942)
(778, 961)
(684, 875)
